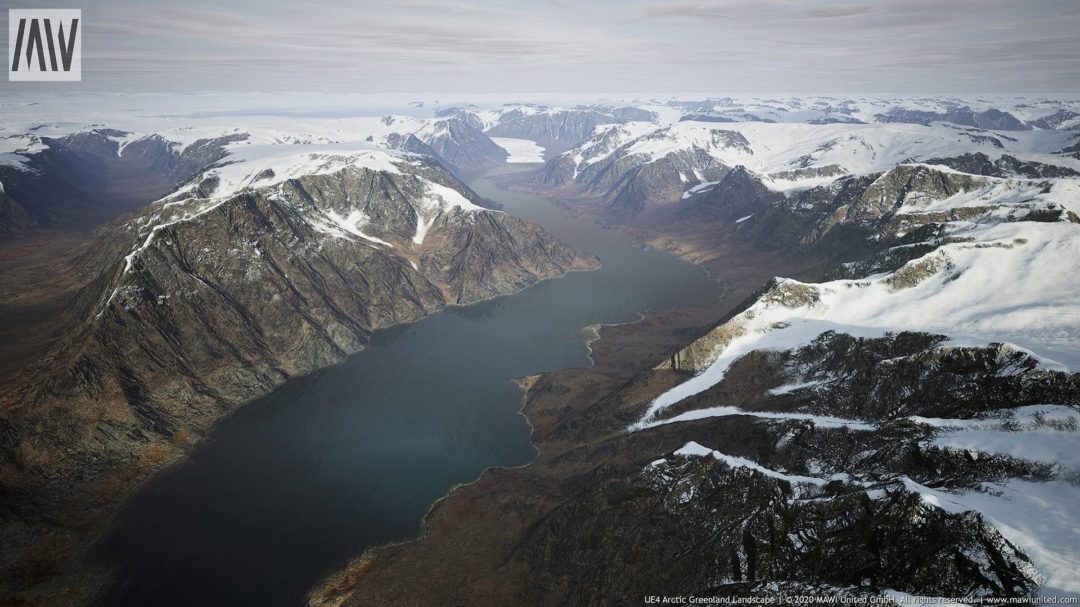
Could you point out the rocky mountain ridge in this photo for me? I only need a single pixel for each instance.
(633, 167)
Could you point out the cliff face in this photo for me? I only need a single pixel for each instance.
(651, 171)
(827, 468)
(463, 145)
(204, 302)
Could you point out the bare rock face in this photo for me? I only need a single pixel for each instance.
(791, 501)
(558, 171)
(556, 131)
(464, 146)
(1055, 120)
(738, 194)
(630, 181)
(992, 118)
(857, 225)
(702, 527)
(1005, 166)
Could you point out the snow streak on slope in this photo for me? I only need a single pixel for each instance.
(351, 224)
(1041, 433)
(693, 449)
(824, 421)
(1041, 519)
(439, 199)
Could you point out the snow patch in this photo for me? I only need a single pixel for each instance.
(693, 449)
(520, 150)
(438, 200)
(351, 224)
(824, 421)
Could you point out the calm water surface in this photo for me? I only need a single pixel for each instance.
(296, 483)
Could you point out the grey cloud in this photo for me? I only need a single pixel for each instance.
(601, 46)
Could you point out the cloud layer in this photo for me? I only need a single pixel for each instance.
(479, 46)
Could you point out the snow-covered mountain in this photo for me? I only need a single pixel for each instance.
(56, 174)
(899, 423)
(640, 164)
(633, 153)
(932, 385)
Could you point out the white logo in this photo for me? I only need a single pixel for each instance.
(44, 44)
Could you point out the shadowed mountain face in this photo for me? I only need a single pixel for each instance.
(992, 118)
(561, 130)
(462, 145)
(81, 180)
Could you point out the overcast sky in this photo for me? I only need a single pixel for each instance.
(479, 46)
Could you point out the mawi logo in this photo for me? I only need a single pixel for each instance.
(44, 44)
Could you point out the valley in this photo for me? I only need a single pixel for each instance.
(759, 341)
(425, 407)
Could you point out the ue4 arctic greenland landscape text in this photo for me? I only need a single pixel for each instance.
(763, 346)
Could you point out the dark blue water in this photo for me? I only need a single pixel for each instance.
(293, 485)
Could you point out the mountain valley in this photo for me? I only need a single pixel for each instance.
(877, 395)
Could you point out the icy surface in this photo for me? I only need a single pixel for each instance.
(15, 149)
(1042, 520)
(520, 150)
(824, 421)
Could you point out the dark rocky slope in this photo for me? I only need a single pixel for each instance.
(83, 179)
(993, 119)
(1005, 166)
(461, 144)
(849, 227)
(558, 131)
(629, 182)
